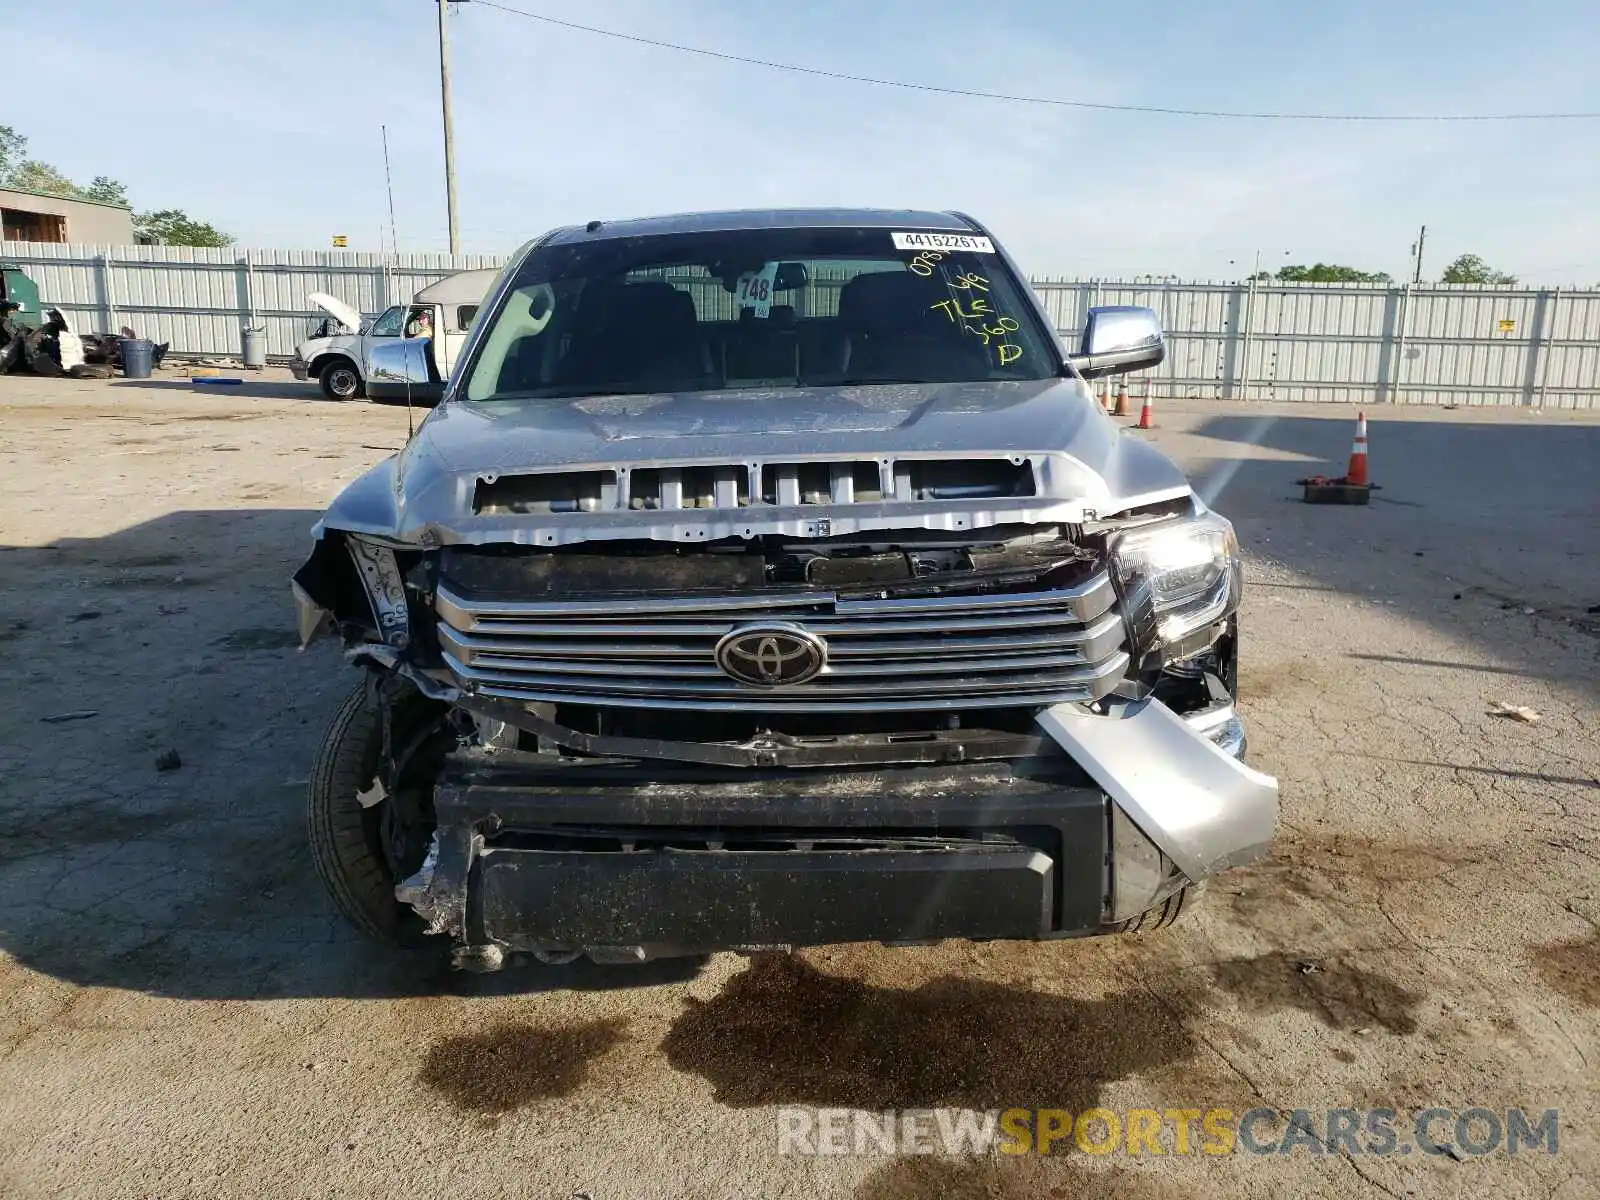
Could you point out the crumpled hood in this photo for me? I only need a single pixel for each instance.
(1082, 463)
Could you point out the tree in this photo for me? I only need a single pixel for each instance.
(170, 225)
(12, 145)
(1469, 268)
(32, 176)
(174, 227)
(1330, 273)
(107, 191)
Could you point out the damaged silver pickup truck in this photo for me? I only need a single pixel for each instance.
(770, 579)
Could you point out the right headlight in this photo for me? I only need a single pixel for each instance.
(1180, 581)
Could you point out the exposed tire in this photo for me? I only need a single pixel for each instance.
(341, 381)
(347, 840)
(1166, 913)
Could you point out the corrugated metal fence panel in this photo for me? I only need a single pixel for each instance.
(199, 299)
(1354, 343)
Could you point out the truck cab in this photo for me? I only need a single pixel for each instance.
(338, 355)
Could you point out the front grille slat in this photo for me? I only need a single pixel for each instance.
(924, 653)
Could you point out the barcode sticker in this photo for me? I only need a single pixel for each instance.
(943, 241)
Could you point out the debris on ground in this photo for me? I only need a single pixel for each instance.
(77, 714)
(54, 348)
(1514, 712)
(168, 760)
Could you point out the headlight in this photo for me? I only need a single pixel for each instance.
(1179, 580)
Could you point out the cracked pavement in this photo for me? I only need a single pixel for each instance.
(182, 1013)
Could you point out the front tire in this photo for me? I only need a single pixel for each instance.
(341, 381)
(347, 839)
(1168, 912)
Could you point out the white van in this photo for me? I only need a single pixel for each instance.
(338, 353)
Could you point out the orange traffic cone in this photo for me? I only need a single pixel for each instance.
(1122, 401)
(1147, 413)
(1105, 399)
(1356, 475)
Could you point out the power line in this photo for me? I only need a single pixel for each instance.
(1047, 100)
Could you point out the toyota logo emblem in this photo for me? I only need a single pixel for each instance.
(771, 655)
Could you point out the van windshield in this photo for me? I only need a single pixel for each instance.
(753, 309)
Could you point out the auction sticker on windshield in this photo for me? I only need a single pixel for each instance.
(942, 241)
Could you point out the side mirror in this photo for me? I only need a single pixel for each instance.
(1117, 339)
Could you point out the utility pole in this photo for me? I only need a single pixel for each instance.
(1416, 252)
(449, 128)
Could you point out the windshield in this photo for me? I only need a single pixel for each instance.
(759, 309)
(388, 325)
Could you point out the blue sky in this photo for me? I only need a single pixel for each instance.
(264, 119)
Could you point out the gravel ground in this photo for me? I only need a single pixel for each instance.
(182, 1014)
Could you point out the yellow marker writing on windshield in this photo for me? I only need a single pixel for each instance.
(953, 309)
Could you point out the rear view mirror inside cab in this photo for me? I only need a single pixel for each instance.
(790, 275)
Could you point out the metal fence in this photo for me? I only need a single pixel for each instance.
(1353, 343)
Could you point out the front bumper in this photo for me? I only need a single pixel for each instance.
(299, 368)
(629, 861)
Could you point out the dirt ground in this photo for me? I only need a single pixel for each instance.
(183, 1014)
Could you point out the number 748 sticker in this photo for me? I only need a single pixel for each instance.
(754, 289)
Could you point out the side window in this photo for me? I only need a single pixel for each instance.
(464, 315)
(388, 325)
(420, 322)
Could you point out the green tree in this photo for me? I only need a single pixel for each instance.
(174, 227)
(32, 176)
(170, 225)
(107, 191)
(12, 146)
(1469, 268)
(1330, 273)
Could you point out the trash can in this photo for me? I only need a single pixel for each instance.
(138, 357)
(255, 347)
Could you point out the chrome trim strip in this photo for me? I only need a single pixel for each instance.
(1205, 810)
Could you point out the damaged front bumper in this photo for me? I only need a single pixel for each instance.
(299, 368)
(627, 860)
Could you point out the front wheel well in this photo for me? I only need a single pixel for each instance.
(327, 358)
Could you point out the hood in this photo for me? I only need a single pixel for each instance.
(1082, 465)
(337, 309)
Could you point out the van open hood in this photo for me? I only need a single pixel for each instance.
(337, 309)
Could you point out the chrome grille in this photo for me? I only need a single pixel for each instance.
(944, 652)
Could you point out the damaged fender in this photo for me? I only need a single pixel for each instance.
(1205, 810)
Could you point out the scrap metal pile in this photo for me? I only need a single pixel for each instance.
(55, 348)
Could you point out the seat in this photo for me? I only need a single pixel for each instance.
(894, 330)
(639, 336)
(765, 347)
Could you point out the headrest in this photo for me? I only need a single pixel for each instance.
(887, 300)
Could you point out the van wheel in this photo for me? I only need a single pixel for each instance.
(341, 381)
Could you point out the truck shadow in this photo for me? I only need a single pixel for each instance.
(177, 634)
(250, 388)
